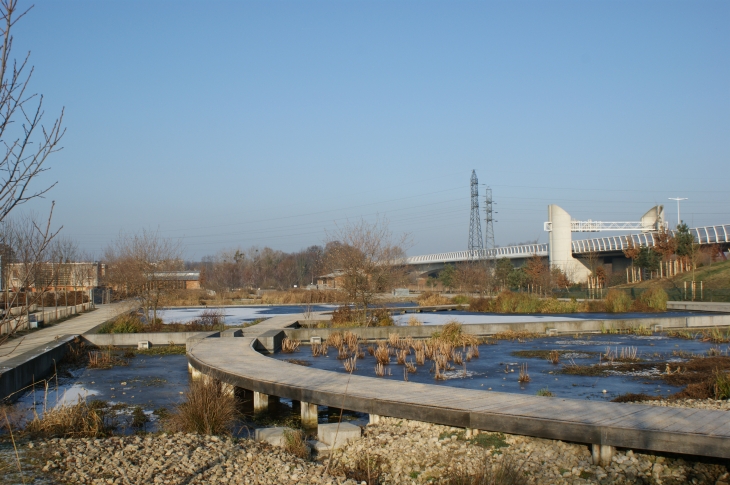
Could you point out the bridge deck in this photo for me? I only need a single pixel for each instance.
(679, 430)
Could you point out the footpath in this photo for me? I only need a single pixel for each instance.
(30, 357)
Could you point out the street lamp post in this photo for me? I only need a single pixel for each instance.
(679, 219)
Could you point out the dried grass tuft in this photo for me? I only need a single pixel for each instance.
(208, 409)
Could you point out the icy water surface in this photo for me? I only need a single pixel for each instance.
(236, 316)
(151, 382)
(497, 368)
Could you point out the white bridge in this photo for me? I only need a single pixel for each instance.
(611, 244)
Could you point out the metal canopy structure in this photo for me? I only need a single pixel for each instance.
(598, 226)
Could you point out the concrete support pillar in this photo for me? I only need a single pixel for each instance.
(195, 374)
(309, 415)
(260, 402)
(374, 419)
(602, 454)
(470, 433)
(228, 389)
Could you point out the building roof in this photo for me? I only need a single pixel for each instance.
(177, 275)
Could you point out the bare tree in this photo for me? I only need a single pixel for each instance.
(24, 277)
(137, 266)
(368, 260)
(27, 142)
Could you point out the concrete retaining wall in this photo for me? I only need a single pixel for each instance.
(23, 370)
(485, 329)
(131, 339)
(702, 306)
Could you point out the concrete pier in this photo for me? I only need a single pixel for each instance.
(602, 454)
(309, 415)
(260, 402)
(374, 418)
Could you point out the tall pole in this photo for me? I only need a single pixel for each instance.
(679, 218)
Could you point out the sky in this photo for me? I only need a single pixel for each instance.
(238, 124)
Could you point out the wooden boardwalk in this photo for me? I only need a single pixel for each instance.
(636, 426)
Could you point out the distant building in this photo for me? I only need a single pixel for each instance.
(331, 281)
(47, 276)
(176, 280)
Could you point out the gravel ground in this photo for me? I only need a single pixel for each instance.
(409, 452)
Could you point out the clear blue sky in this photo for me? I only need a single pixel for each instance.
(266, 123)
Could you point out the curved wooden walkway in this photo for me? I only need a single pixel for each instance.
(678, 430)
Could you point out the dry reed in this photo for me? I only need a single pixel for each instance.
(382, 355)
(289, 346)
(208, 408)
(524, 376)
(554, 357)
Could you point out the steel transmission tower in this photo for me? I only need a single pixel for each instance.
(489, 222)
(475, 224)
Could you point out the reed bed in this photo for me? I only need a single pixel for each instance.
(457, 357)
(411, 367)
(382, 355)
(343, 353)
(80, 420)
(289, 346)
(351, 339)
(335, 339)
(553, 357)
(319, 350)
(400, 357)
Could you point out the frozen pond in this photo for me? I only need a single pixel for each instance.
(440, 318)
(149, 381)
(236, 316)
(498, 366)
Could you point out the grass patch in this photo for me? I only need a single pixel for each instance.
(506, 472)
(367, 469)
(545, 392)
(296, 444)
(81, 420)
(162, 350)
(489, 440)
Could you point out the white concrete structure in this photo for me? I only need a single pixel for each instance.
(561, 226)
